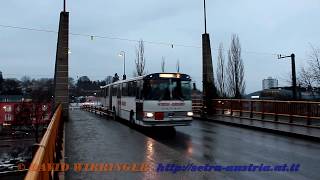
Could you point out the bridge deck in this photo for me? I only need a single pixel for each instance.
(90, 138)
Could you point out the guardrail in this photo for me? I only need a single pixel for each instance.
(102, 111)
(197, 106)
(48, 149)
(291, 109)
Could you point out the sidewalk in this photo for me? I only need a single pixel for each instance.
(269, 125)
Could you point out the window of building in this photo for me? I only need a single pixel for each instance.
(7, 108)
(46, 117)
(8, 117)
(44, 107)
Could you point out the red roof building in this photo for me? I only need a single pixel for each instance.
(18, 112)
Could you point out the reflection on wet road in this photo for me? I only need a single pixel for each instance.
(90, 138)
(227, 145)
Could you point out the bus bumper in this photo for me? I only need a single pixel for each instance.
(185, 122)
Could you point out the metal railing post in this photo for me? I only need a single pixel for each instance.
(262, 104)
(222, 104)
(240, 108)
(49, 147)
(251, 109)
(276, 106)
(231, 108)
(309, 114)
(290, 112)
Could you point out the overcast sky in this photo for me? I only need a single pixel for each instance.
(265, 28)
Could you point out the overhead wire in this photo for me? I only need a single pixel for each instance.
(92, 36)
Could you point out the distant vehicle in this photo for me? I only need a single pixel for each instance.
(5, 167)
(13, 168)
(158, 99)
(19, 134)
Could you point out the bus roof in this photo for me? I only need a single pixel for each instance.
(151, 76)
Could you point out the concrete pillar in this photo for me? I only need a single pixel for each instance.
(209, 91)
(61, 75)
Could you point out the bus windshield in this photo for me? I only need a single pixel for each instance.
(167, 89)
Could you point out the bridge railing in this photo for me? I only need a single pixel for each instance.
(196, 105)
(304, 110)
(48, 149)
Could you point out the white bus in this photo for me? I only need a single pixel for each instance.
(158, 99)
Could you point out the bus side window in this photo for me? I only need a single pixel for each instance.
(141, 90)
(137, 89)
(114, 90)
(129, 88)
(125, 89)
(133, 88)
(101, 93)
(118, 91)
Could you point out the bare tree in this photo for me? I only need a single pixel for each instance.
(306, 78)
(221, 72)
(140, 60)
(235, 69)
(26, 84)
(314, 63)
(286, 78)
(163, 63)
(108, 79)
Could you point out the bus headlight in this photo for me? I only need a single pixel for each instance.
(190, 114)
(149, 115)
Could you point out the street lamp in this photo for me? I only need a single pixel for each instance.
(293, 71)
(123, 54)
(205, 16)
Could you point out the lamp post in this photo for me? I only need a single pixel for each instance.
(64, 5)
(205, 16)
(293, 71)
(123, 54)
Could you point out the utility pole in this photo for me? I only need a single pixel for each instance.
(123, 54)
(293, 71)
(205, 16)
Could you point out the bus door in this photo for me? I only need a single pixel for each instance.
(139, 101)
(109, 93)
(119, 99)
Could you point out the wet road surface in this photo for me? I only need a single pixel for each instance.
(92, 139)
